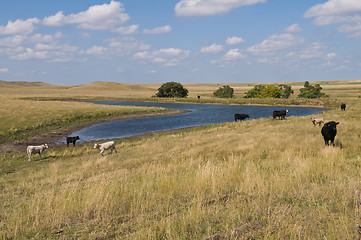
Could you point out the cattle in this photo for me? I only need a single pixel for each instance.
(199, 97)
(71, 140)
(281, 114)
(318, 121)
(343, 106)
(105, 146)
(36, 149)
(240, 116)
(329, 132)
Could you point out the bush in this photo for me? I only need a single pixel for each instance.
(270, 91)
(310, 91)
(172, 89)
(224, 92)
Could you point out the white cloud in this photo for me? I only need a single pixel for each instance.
(334, 7)
(335, 11)
(127, 30)
(234, 54)
(313, 51)
(275, 44)
(166, 57)
(158, 30)
(58, 20)
(229, 59)
(13, 41)
(117, 47)
(96, 50)
(19, 27)
(214, 48)
(293, 28)
(210, 7)
(98, 17)
(234, 40)
(4, 70)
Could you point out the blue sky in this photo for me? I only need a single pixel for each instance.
(187, 41)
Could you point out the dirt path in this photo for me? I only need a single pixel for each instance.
(19, 146)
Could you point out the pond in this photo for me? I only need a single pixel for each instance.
(198, 115)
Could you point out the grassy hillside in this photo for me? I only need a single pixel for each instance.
(258, 179)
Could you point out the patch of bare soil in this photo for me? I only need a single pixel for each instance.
(19, 146)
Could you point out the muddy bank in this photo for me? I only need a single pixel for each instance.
(19, 146)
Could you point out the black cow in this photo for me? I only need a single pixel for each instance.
(199, 97)
(71, 140)
(240, 116)
(329, 132)
(281, 114)
(343, 106)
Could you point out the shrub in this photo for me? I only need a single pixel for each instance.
(224, 92)
(270, 91)
(310, 91)
(255, 92)
(172, 89)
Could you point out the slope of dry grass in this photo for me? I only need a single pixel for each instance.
(258, 179)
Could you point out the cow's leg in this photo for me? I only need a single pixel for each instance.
(67, 144)
(101, 152)
(40, 155)
(74, 143)
(115, 150)
(29, 155)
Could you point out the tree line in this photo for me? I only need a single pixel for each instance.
(176, 90)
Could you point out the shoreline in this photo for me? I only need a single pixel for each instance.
(53, 136)
(50, 137)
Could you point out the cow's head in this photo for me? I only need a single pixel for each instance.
(332, 124)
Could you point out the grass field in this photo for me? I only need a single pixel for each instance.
(258, 179)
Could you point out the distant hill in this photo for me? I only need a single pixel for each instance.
(114, 86)
(15, 84)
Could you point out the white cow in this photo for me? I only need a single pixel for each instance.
(36, 149)
(318, 121)
(105, 146)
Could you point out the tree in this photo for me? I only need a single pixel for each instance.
(255, 92)
(224, 92)
(172, 89)
(310, 91)
(270, 91)
(286, 90)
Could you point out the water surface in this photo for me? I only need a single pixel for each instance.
(200, 114)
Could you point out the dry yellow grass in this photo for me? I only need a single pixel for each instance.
(258, 179)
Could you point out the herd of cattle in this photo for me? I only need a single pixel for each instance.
(328, 132)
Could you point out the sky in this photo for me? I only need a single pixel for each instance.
(71, 42)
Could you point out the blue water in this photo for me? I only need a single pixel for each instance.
(200, 114)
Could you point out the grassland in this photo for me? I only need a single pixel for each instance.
(258, 179)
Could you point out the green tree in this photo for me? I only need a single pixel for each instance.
(224, 92)
(310, 91)
(172, 89)
(255, 92)
(286, 90)
(270, 91)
